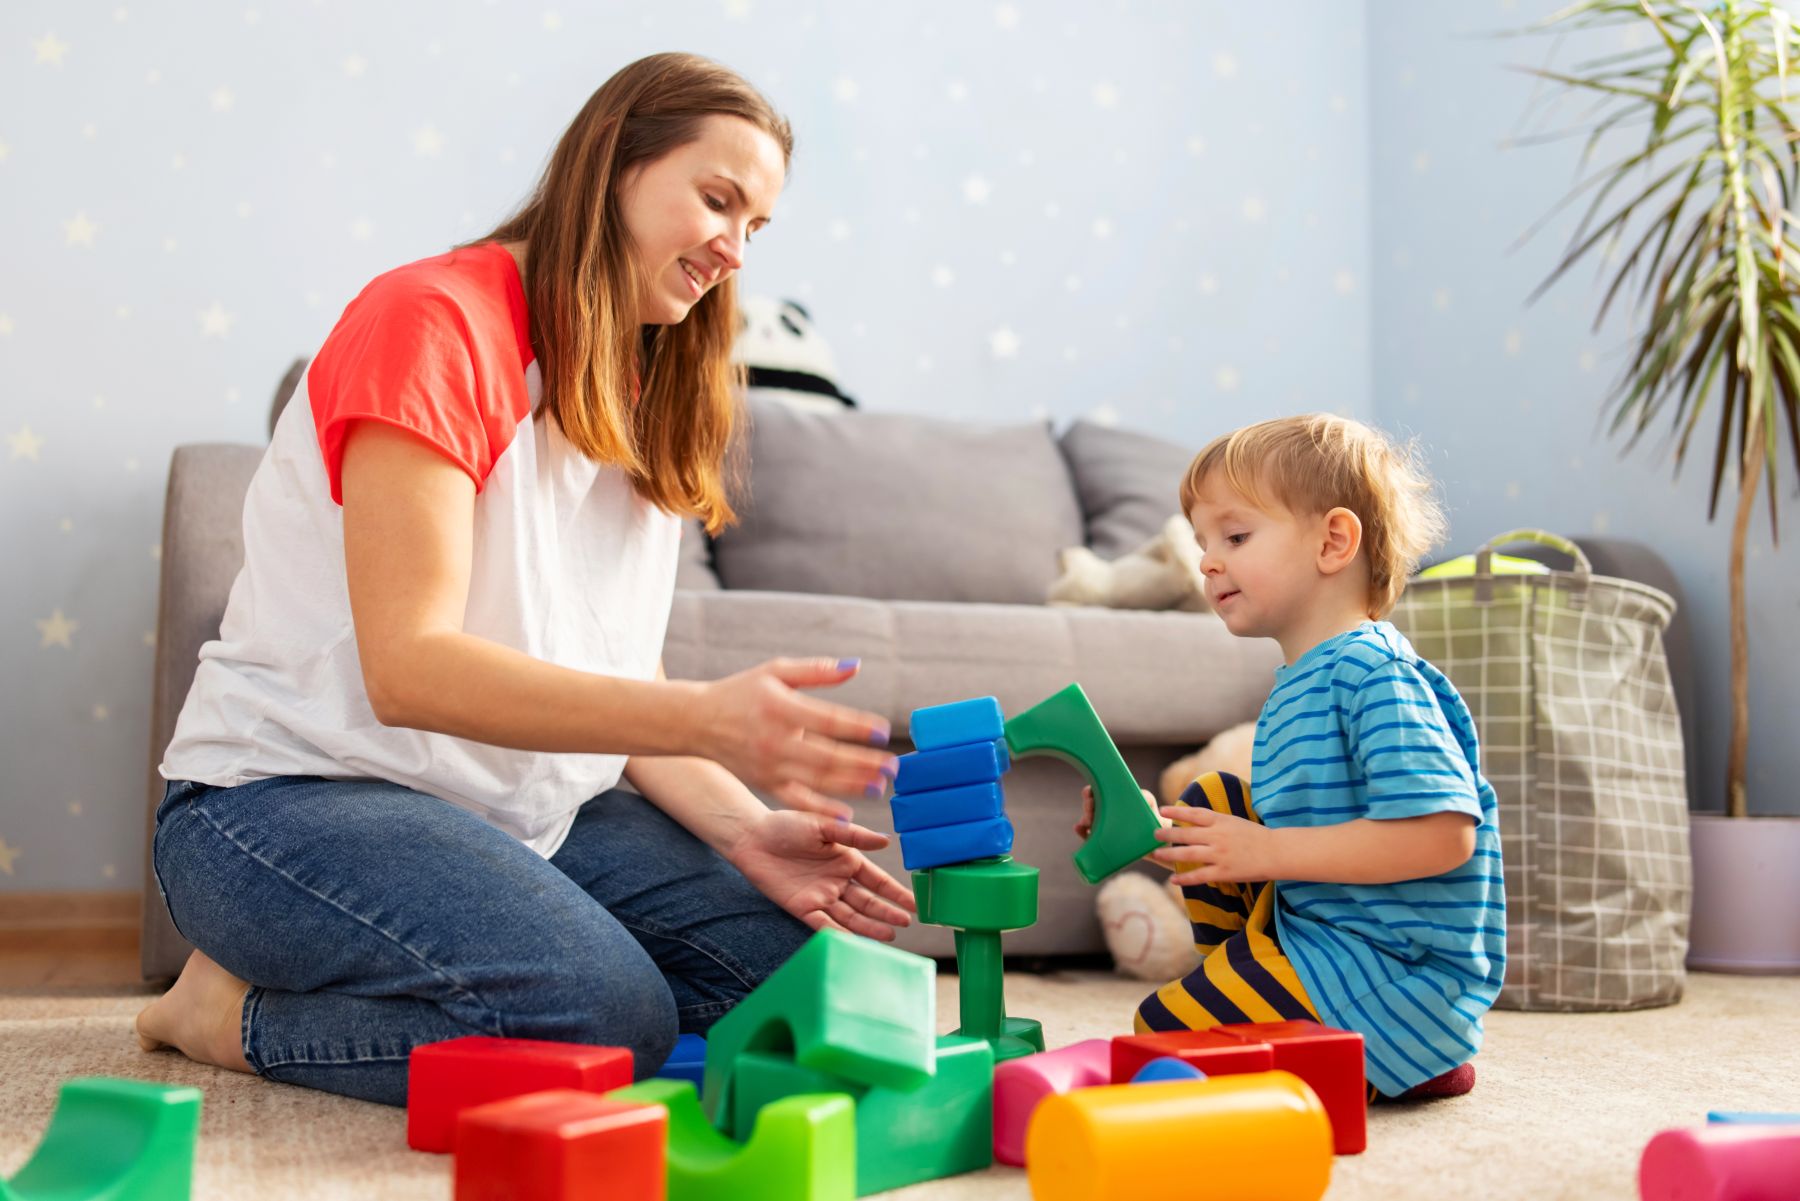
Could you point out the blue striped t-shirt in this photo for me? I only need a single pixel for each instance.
(1360, 726)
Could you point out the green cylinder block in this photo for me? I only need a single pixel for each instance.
(986, 894)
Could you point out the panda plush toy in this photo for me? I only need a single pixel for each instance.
(786, 358)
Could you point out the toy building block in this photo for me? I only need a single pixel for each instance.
(841, 1004)
(1167, 1068)
(952, 767)
(561, 1145)
(940, 845)
(1720, 1117)
(937, 726)
(1212, 1052)
(947, 806)
(113, 1140)
(1329, 1060)
(1020, 1086)
(1261, 1135)
(803, 1147)
(686, 1062)
(1725, 1162)
(443, 1079)
(1066, 727)
(979, 901)
(903, 1136)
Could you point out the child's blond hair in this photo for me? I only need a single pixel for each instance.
(1312, 464)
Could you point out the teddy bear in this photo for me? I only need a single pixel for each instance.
(1144, 918)
(1163, 573)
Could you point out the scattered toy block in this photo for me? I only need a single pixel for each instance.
(1066, 727)
(1329, 1060)
(903, 1136)
(841, 1004)
(113, 1140)
(1020, 1086)
(803, 1148)
(952, 767)
(1731, 1118)
(947, 807)
(1723, 1162)
(1214, 1053)
(445, 1078)
(979, 901)
(1262, 1134)
(962, 843)
(686, 1062)
(1167, 1068)
(561, 1145)
(957, 724)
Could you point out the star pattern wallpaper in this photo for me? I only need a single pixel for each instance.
(1176, 216)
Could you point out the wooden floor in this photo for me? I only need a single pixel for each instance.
(39, 969)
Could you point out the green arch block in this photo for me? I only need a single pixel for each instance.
(113, 1140)
(803, 1148)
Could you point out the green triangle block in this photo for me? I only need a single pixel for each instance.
(803, 1148)
(846, 1005)
(903, 1136)
(113, 1140)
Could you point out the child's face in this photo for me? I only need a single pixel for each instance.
(1259, 564)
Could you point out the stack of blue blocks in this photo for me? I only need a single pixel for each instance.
(948, 807)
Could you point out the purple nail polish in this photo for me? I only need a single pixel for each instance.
(847, 664)
(874, 790)
(878, 737)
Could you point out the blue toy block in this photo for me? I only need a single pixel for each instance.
(1167, 1068)
(938, 726)
(942, 845)
(1729, 1118)
(686, 1062)
(947, 807)
(952, 767)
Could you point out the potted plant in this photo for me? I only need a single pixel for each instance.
(1721, 343)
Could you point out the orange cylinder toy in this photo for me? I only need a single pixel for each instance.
(1259, 1136)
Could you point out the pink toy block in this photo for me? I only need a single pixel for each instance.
(1021, 1084)
(1329, 1060)
(1213, 1052)
(443, 1079)
(561, 1145)
(1722, 1163)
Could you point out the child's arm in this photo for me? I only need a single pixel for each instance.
(1208, 847)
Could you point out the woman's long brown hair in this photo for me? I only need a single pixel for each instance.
(583, 281)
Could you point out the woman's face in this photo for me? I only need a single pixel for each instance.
(691, 212)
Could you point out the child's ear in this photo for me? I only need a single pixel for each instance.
(1343, 538)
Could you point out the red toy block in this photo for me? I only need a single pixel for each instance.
(1329, 1060)
(561, 1145)
(1212, 1052)
(443, 1079)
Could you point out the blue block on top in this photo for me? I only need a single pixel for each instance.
(947, 806)
(938, 726)
(940, 845)
(952, 767)
(687, 1061)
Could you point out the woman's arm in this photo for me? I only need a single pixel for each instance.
(408, 533)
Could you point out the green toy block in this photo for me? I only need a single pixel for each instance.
(842, 1004)
(803, 1148)
(113, 1140)
(978, 900)
(903, 1136)
(1066, 727)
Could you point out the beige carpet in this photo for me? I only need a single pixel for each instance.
(1564, 1104)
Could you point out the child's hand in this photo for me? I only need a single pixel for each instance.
(1215, 847)
(1085, 826)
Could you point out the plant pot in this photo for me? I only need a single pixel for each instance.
(1746, 894)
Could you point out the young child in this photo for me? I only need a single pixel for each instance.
(1362, 887)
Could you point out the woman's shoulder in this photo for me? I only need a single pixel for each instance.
(468, 275)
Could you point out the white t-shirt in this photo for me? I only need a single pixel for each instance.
(569, 564)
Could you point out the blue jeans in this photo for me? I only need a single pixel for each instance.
(370, 919)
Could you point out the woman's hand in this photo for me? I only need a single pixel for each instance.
(814, 867)
(800, 750)
(1215, 847)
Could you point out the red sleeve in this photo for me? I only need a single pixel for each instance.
(405, 355)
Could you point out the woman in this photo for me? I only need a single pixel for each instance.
(391, 816)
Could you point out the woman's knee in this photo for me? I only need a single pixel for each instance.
(630, 1008)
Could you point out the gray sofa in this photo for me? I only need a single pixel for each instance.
(922, 546)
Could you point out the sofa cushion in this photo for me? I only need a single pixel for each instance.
(1128, 483)
(694, 570)
(901, 507)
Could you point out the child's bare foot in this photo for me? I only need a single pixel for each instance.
(201, 1016)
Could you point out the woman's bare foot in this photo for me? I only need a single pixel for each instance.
(202, 1016)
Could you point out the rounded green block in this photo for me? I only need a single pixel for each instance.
(987, 894)
(113, 1140)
